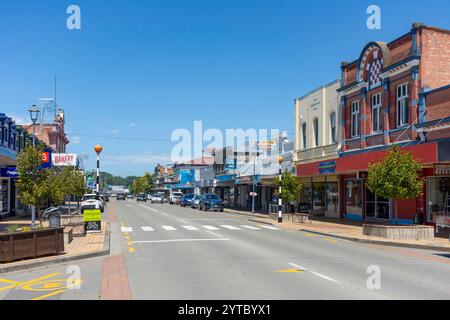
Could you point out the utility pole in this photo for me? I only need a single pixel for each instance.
(280, 199)
(98, 149)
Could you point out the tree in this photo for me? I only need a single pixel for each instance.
(396, 177)
(290, 187)
(32, 183)
(150, 179)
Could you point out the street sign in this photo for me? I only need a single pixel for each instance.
(92, 220)
(253, 194)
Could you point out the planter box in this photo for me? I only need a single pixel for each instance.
(31, 244)
(399, 232)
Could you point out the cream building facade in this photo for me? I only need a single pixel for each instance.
(317, 139)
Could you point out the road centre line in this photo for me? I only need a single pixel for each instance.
(315, 273)
(181, 240)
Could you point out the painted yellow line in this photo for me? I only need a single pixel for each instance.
(330, 240)
(309, 235)
(290, 271)
(48, 295)
(131, 250)
(125, 234)
(129, 243)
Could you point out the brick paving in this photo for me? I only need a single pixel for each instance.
(115, 284)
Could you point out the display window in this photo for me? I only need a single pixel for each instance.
(438, 197)
(353, 197)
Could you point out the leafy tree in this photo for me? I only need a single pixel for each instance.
(150, 180)
(290, 186)
(140, 185)
(396, 177)
(32, 183)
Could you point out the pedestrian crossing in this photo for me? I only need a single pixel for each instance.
(199, 228)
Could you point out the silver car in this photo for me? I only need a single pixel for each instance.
(157, 198)
(196, 202)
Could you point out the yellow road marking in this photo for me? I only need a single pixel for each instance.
(290, 271)
(330, 240)
(131, 250)
(129, 243)
(309, 235)
(48, 295)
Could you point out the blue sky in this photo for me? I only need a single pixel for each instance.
(140, 69)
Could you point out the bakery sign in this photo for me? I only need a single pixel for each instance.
(64, 160)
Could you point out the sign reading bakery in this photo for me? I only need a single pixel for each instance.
(64, 160)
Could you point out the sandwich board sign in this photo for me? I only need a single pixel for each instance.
(92, 220)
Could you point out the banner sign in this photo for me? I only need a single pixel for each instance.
(10, 172)
(46, 159)
(327, 167)
(64, 160)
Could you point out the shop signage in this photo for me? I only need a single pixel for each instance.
(363, 174)
(327, 167)
(64, 160)
(247, 179)
(46, 159)
(10, 172)
(225, 178)
(92, 220)
(442, 169)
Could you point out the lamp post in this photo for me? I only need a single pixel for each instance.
(34, 115)
(280, 199)
(254, 177)
(98, 149)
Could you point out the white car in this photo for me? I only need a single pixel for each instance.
(157, 198)
(92, 201)
(175, 197)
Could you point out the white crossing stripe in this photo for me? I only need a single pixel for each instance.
(190, 228)
(269, 227)
(126, 229)
(211, 228)
(230, 227)
(147, 229)
(169, 228)
(250, 227)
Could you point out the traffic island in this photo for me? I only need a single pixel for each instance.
(399, 232)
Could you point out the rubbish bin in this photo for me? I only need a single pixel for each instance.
(54, 218)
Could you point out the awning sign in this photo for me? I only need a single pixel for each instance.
(327, 167)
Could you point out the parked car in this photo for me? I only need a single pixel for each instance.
(141, 197)
(186, 200)
(130, 196)
(195, 203)
(91, 201)
(211, 202)
(121, 196)
(175, 198)
(104, 197)
(157, 198)
(149, 196)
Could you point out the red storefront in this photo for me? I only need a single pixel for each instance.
(356, 202)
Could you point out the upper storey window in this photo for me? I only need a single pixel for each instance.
(402, 105)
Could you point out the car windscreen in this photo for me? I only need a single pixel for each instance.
(212, 197)
(90, 197)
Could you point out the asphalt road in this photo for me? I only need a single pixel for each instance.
(180, 253)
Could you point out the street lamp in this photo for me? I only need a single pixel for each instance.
(98, 149)
(34, 115)
(280, 199)
(254, 177)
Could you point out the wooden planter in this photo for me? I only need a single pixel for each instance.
(31, 244)
(418, 232)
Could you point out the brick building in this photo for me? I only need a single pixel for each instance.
(394, 93)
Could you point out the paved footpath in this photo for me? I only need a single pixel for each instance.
(168, 252)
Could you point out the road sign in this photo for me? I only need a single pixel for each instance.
(253, 194)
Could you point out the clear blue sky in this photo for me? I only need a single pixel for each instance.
(144, 68)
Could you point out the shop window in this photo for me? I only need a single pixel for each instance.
(438, 190)
(319, 196)
(332, 197)
(353, 198)
(376, 206)
(4, 196)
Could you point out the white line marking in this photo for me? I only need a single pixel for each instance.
(147, 229)
(230, 227)
(169, 228)
(250, 227)
(210, 219)
(190, 228)
(268, 227)
(315, 273)
(181, 240)
(214, 234)
(210, 228)
(126, 229)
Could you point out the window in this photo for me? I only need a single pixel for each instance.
(304, 135)
(376, 112)
(376, 206)
(353, 198)
(402, 105)
(316, 132)
(355, 119)
(333, 127)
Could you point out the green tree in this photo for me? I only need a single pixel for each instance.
(32, 183)
(396, 177)
(150, 180)
(290, 187)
